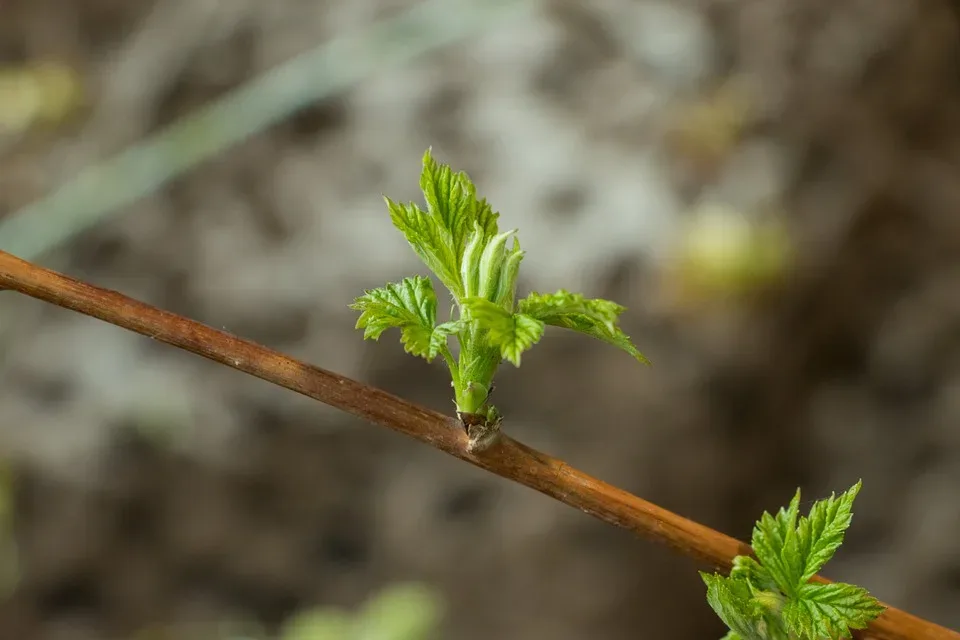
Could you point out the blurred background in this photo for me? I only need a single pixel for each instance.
(769, 187)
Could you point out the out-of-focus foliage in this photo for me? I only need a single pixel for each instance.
(723, 254)
(405, 611)
(401, 611)
(39, 93)
(710, 127)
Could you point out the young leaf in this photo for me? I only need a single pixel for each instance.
(488, 269)
(512, 333)
(430, 240)
(507, 288)
(440, 234)
(746, 568)
(830, 611)
(550, 307)
(411, 306)
(451, 198)
(775, 543)
(452, 203)
(491, 265)
(821, 534)
(730, 600)
(787, 518)
(486, 218)
(470, 263)
(594, 317)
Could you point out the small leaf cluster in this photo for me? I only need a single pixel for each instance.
(458, 238)
(770, 598)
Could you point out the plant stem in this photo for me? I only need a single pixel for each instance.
(453, 366)
(508, 458)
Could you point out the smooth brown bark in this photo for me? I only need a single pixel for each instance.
(509, 459)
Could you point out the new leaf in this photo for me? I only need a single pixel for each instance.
(730, 600)
(793, 553)
(594, 317)
(411, 306)
(512, 333)
(430, 240)
(452, 198)
(830, 611)
(821, 533)
(746, 568)
(440, 234)
(775, 543)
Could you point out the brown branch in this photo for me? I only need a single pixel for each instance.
(509, 458)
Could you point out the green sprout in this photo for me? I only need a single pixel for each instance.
(773, 599)
(458, 238)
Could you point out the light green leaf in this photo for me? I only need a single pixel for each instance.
(512, 333)
(411, 306)
(730, 600)
(489, 269)
(430, 240)
(486, 217)
(470, 263)
(792, 560)
(491, 261)
(746, 568)
(830, 611)
(768, 549)
(451, 198)
(507, 287)
(775, 543)
(454, 219)
(594, 317)
(491, 265)
(767, 601)
(821, 533)
(787, 518)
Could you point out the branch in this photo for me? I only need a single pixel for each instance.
(508, 459)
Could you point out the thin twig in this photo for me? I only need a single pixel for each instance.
(508, 459)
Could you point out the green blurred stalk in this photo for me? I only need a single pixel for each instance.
(102, 189)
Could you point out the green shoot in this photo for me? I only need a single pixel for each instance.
(459, 240)
(772, 599)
